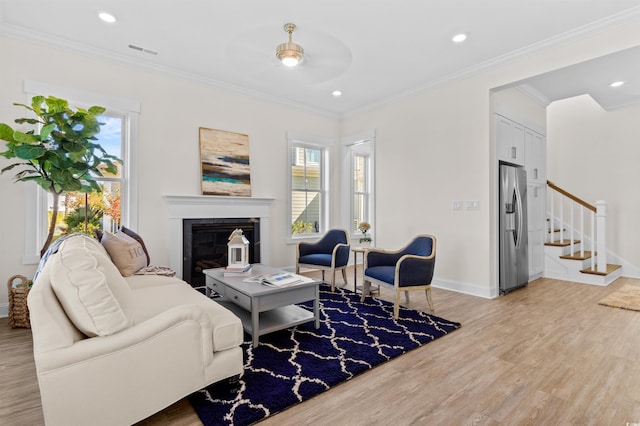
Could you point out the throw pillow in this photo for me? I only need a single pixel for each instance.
(138, 238)
(125, 252)
(90, 288)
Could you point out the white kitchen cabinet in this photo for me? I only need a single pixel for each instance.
(510, 140)
(535, 156)
(536, 218)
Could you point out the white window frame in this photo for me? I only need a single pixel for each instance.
(362, 144)
(36, 198)
(324, 146)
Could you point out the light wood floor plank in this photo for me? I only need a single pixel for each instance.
(545, 354)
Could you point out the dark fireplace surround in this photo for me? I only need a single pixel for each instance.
(205, 244)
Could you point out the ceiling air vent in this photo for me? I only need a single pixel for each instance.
(142, 49)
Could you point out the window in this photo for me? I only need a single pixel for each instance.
(308, 194)
(81, 212)
(357, 184)
(360, 189)
(117, 204)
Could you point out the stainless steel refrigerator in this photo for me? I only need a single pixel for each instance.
(514, 260)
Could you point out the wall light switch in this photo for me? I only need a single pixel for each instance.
(472, 205)
(457, 205)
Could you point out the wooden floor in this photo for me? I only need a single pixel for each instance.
(544, 354)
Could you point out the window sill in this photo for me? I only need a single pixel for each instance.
(310, 238)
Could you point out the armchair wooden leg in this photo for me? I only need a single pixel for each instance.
(297, 269)
(333, 280)
(406, 296)
(396, 305)
(366, 288)
(429, 301)
(344, 275)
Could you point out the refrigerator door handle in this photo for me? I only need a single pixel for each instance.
(518, 213)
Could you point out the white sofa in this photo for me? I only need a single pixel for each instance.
(111, 350)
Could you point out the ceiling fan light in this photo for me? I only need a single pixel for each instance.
(289, 53)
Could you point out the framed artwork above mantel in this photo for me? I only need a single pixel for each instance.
(224, 163)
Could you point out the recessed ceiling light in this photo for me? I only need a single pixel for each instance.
(107, 17)
(336, 93)
(617, 83)
(459, 38)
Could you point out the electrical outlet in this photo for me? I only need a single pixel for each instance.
(472, 205)
(457, 205)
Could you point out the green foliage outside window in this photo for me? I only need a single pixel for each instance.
(300, 227)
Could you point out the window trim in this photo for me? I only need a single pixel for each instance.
(324, 146)
(36, 198)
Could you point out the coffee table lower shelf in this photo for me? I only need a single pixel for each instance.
(271, 320)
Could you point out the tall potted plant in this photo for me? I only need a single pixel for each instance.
(64, 156)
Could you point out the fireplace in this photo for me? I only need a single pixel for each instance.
(205, 244)
(182, 207)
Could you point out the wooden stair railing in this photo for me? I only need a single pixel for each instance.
(596, 214)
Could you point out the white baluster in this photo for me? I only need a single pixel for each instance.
(582, 244)
(571, 229)
(552, 194)
(562, 219)
(593, 239)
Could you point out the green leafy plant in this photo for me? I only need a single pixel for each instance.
(301, 227)
(63, 156)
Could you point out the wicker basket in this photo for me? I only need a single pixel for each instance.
(18, 310)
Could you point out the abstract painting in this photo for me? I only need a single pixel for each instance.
(224, 160)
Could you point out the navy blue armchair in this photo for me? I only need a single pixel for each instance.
(330, 253)
(410, 268)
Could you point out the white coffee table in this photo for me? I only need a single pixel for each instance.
(262, 308)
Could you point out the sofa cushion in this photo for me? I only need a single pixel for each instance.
(382, 273)
(125, 252)
(139, 239)
(90, 289)
(150, 280)
(316, 259)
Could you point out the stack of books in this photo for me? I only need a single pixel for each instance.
(237, 271)
(282, 279)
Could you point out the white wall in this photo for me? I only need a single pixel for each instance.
(435, 147)
(594, 154)
(172, 110)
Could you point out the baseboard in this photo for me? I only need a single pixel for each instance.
(465, 288)
(4, 310)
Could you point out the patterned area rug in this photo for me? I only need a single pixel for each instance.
(293, 365)
(628, 297)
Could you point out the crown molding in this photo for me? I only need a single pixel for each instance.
(464, 73)
(534, 94)
(583, 31)
(88, 51)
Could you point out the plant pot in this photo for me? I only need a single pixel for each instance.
(365, 242)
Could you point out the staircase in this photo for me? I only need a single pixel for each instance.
(568, 258)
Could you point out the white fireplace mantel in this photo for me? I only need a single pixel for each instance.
(209, 206)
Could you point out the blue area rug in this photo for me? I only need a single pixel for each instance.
(291, 366)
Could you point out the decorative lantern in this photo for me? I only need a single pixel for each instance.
(238, 255)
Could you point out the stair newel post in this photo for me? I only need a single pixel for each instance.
(601, 219)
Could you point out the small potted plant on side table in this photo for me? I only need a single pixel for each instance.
(365, 240)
